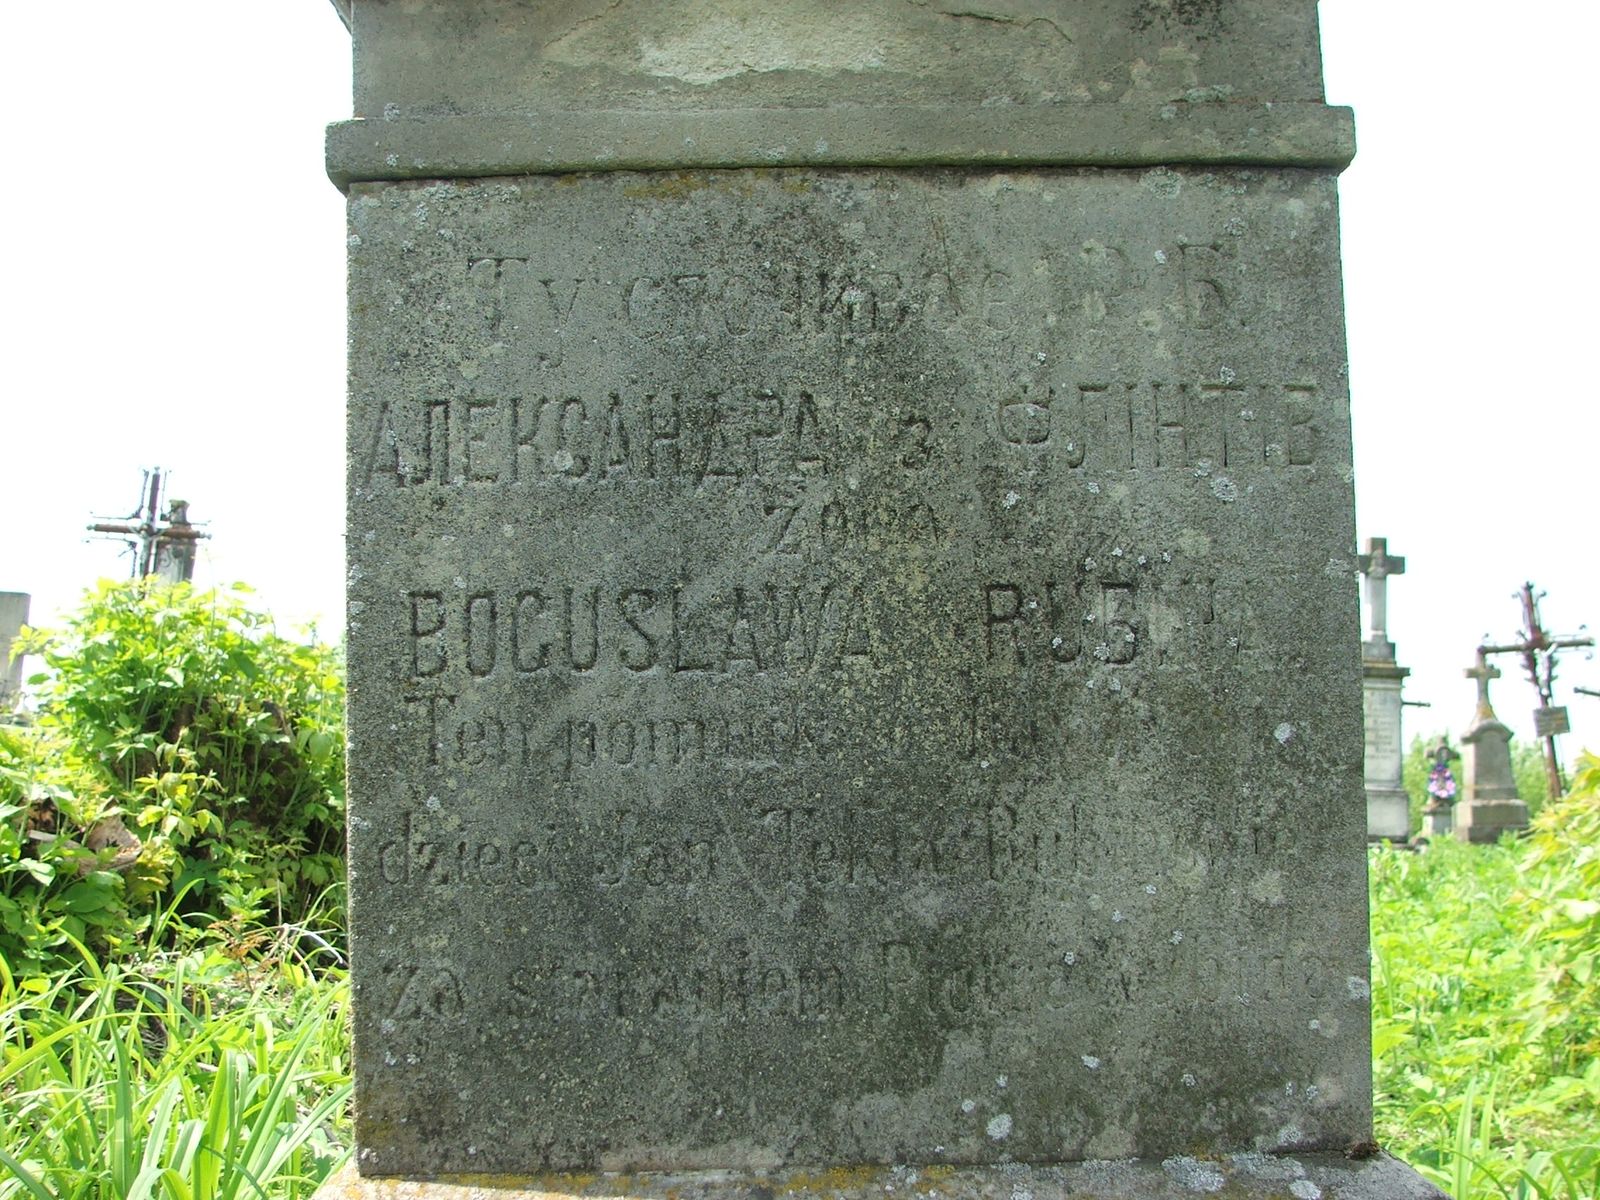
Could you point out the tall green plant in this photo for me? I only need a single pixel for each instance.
(1558, 906)
(182, 1080)
(1486, 1006)
(183, 719)
(51, 893)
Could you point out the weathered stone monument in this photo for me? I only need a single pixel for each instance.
(13, 616)
(1490, 805)
(820, 476)
(1382, 678)
(1438, 815)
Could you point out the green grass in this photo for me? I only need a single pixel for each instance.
(1486, 1008)
(194, 1077)
(224, 1072)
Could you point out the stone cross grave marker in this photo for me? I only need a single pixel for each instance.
(1490, 805)
(1481, 673)
(1382, 681)
(1377, 564)
(819, 478)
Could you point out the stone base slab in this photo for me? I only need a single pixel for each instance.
(1482, 822)
(1388, 815)
(1239, 1177)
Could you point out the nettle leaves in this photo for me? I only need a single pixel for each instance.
(184, 761)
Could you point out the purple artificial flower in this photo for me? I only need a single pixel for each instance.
(1442, 783)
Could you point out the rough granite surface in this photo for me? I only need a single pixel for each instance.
(1248, 1176)
(852, 667)
(502, 56)
(505, 87)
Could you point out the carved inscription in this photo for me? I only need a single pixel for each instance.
(607, 853)
(834, 841)
(728, 439)
(809, 527)
(424, 994)
(890, 978)
(749, 985)
(875, 846)
(462, 734)
(1194, 282)
(659, 627)
(1053, 619)
(1115, 610)
(413, 857)
(1164, 425)
(793, 298)
(714, 439)
(778, 600)
(1381, 720)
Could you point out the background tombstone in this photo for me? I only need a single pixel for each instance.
(1388, 805)
(813, 481)
(13, 616)
(1490, 805)
(1438, 815)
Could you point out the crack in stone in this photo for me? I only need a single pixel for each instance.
(994, 18)
(582, 22)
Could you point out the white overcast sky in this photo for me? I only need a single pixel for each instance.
(176, 299)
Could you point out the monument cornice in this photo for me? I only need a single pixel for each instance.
(1376, 669)
(1210, 134)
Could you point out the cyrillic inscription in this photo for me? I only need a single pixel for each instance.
(714, 439)
(1160, 425)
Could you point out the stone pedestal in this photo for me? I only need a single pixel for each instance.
(816, 472)
(13, 616)
(1250, 1176)
(1388, 805)
(1489, 806)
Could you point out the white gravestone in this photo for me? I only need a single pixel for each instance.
(1388, 806)
(13, 616)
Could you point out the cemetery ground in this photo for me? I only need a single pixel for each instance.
(173, 993)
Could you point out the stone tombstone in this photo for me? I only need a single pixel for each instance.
(1490, 805)
(1382, 681)
(1388, 803)
(13, 616)
(1438, 815)
(851, 655)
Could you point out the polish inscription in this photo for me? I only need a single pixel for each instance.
(1093, 283)
(460, 731)
(745, 985)
(1034, 837)
(607, 853)
(472, 653)
(822, 639)
(809, 298)
(652, 627)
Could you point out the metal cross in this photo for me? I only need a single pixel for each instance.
(1538, 649)
(161, 545)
